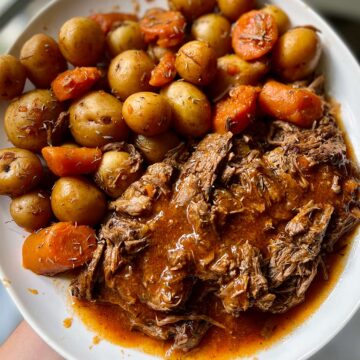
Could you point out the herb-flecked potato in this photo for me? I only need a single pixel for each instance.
(147, 113)
(42, 59)
(28, 118)
(81, 41)
(96, 119)
(12, 77)
(280, 16)
(192, 9)
(31, 211)
(154, 148)
(190, 107)
(127, 36)
(77, 200)
(130, 72)
(215, 30)
(297, 54)
(232, 9)
(196, 62)
(20, 171)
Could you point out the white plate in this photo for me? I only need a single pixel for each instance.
(45, 312)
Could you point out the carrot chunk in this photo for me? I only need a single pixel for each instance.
(254, 35)
(108, 21)
(65, 161)
(167, 28)
(165, 71)
(237, 111)
(58, 248)
(299, 106)
(72, 84)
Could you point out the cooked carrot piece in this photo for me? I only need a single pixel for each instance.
(107, 21)
(254, 35)
(65, 161)
(72, 84)
(165, 71)
(58, 248)
(167, 28)
(299, 106)
(237, 111)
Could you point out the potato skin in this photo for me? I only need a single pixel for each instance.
(77, 200)
(96, 119)
(42, 59)
(28, 116)
(130, 72)
(20, 171)
(191, 108)
(192, 9)
(12, 77)
(81, 41)
(196, 62)
(125, 37)
(147, 113)
(281, 18)
(232, 9)
(215, 30)
(297, 54)
(154, 148)
(31, 211)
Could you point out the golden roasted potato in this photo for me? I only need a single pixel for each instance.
(96, 119)
(20, 171)
(130, 72)
(233, 9)
(280, 16)
(31, 211)
(147, 113)
(215, 30)
(192, 9)
(42, 59)
(191, 108)
(81, 41)
(196, 62)
(12, 77)
(28, 117)
(297, 54)
(77, 200)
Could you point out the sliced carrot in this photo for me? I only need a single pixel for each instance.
(299, 106)
(72, 84)
(167, 28)
(254, 35)
(108, 21)
(237, 111)
(58, 248)
(165, 71)
(65, 161)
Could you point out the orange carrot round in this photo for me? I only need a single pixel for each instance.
(254, 35)
(165, 71)
(109, 20)
(58, 248)
(299, 106)
(65, 161)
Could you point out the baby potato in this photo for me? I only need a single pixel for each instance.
(130, 72)
(192, 9)
(156, 52)
(154, 148)
(147, 113)
(297, 54)
(232, 9)
(81, 41)
(20, 171)
(215, 30)
(77, 200)
(42, 59)
(190, 107)
(31, 211)
(96, 119)
(125, 37)
(28, 117)
(196, 62)
(115, 173)
(12, 77)
(280, 16)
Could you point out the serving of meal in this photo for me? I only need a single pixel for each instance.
(185, 167)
